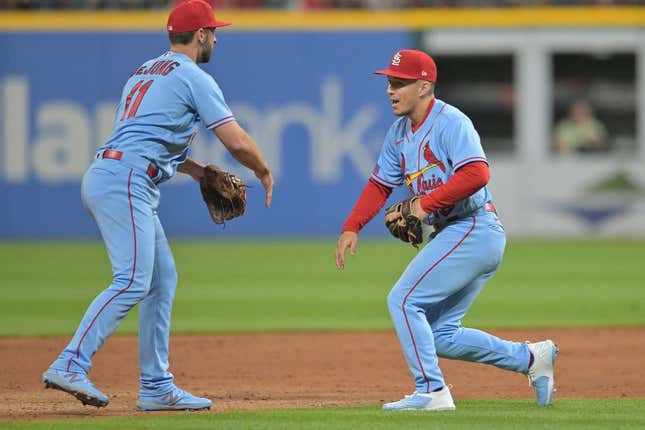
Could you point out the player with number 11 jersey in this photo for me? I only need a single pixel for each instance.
(162, 104)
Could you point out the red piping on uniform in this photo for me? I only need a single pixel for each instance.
(413, 127)
(385, 181)
(470, 160)
(219, 120)
(426, 135)
(416, 284)
(134, 267)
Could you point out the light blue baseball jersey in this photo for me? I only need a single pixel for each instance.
(437, 288)
(162, 103)
(155, 122)
(426, 159)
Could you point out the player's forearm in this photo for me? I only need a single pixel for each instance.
(247, 153)
(370, 202)
(464, 183)
(242, 147)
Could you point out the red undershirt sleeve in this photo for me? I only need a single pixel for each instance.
(466, 181)
(370, 202)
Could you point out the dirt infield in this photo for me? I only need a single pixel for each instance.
(266, 371)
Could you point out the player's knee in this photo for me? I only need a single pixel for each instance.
(398, 300)
(395, 300)
(444, 341)
(444, 346)
(138, 290)
(169, 276)
(134, 286)
(120, 281)
(165, 284)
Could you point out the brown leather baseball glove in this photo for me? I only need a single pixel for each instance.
(224, 194)
(402, 224)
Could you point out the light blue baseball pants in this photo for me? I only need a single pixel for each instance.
(123, 200)
(436, 290)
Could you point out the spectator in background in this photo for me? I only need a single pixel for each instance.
(580, 131)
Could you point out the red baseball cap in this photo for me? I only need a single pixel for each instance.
(411, 64)
(191, 15)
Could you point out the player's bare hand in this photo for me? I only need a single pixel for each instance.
(197, 176)
(267, 182)
(417, 210)
(347, 239)
(192, 168)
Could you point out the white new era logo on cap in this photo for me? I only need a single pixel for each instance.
(424, 73)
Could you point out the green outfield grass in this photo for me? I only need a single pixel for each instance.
(293, 286)
(566, 414)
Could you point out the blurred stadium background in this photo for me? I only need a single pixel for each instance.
(301, 4)
(556, 90)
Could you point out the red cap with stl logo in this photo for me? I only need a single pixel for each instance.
(411, 64)
(191, 15)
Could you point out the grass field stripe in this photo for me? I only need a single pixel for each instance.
(134, 268)
(416, 284)
(333, 20)
(591, 282)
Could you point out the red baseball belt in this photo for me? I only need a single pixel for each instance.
(114, 154)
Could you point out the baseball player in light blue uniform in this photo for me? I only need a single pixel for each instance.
(434, 149)
(162, 104)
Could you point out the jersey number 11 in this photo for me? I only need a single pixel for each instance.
(142, 88)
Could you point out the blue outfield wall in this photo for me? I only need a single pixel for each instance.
(308, 98)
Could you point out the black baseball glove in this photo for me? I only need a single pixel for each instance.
(402, 224)
(224, 194)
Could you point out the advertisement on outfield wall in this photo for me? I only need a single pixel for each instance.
(319, 115)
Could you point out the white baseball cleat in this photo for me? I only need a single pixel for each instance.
(174, 400)
(76, 384)
(541, 373)
(436, 401)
